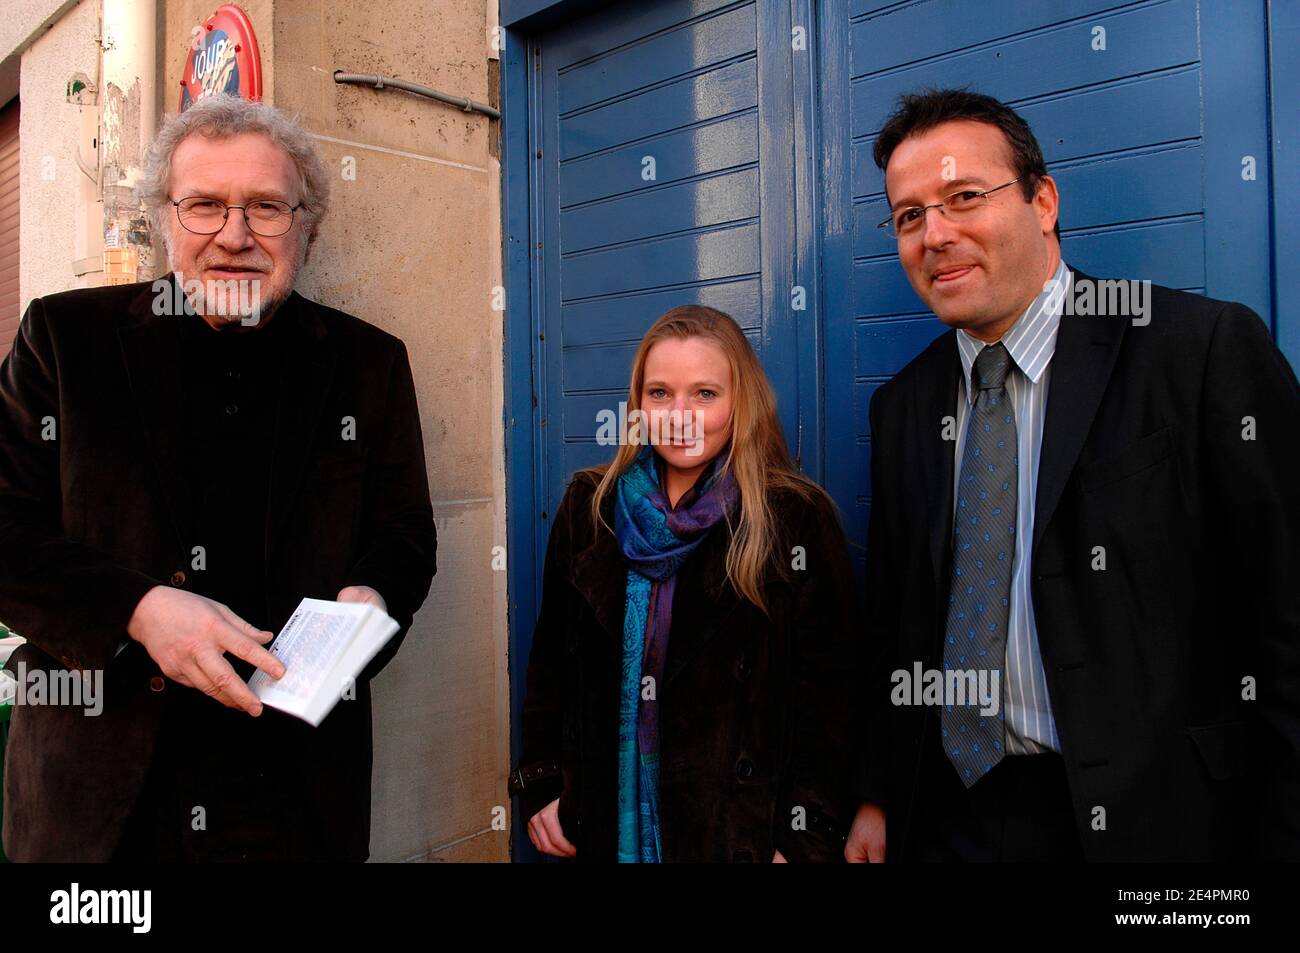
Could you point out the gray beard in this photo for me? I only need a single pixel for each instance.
(267, 303)
(239, 309)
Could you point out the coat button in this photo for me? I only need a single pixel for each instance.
(157, 684)
(178, 578)
(743, 669)
(744, 769)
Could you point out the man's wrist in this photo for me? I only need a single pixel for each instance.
(135, 624)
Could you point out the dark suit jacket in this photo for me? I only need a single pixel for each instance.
(93, 519)
(1143, 454)
(757, 712)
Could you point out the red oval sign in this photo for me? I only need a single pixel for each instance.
(223, 58)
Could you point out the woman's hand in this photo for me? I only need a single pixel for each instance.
(545, 833)
(866, 843)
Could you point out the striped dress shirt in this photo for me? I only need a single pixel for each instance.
(1031, 342)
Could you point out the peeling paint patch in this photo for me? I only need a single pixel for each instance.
(121, 131)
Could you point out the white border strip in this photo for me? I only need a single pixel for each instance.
(398, 152)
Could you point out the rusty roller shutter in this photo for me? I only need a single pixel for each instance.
(9, 312)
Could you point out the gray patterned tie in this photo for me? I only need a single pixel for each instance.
(983, 550)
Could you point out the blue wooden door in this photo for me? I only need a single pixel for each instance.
(649, 163)
(664, 170)
(1152, 117)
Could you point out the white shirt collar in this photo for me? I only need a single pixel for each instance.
(1031, 341)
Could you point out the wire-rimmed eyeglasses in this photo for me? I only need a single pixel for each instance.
(905, 221)
(201, 215)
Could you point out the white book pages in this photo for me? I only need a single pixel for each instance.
(374, 633)
(323, 646)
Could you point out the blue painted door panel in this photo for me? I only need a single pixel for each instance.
(657, 186)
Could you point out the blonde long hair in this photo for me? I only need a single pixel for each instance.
(757, 456)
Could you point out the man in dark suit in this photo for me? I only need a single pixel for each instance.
(183, 461)
(1082, 560)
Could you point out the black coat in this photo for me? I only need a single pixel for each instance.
(756, 717)
(1143, 455)
(92, 520)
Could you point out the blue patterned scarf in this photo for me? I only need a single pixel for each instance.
(655, 539)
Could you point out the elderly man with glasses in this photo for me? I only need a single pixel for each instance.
(183, 461)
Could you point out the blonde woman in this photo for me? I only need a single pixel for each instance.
(688, 691)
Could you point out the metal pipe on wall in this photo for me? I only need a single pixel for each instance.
(379, 82)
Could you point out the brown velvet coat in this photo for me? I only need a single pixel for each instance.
(91, 520)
